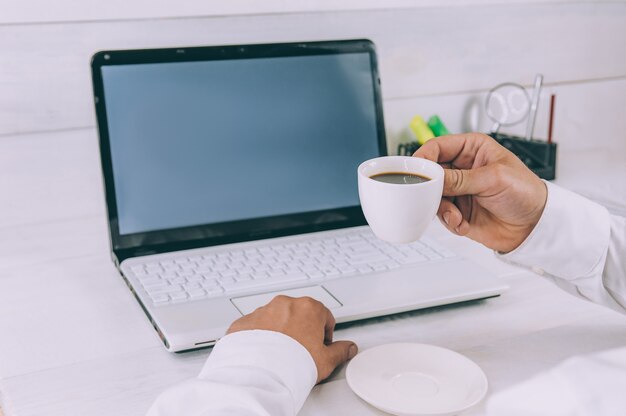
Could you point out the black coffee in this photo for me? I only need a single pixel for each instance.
(400, 178)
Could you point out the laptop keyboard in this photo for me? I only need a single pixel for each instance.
(224, 273)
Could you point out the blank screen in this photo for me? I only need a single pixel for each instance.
(196, 143)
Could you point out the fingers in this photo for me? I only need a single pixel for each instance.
(458, 148)
(338, 353)
(466, 181)
(452, 218)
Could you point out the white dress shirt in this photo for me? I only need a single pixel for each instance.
(577, 244)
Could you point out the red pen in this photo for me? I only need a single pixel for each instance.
(551, 118)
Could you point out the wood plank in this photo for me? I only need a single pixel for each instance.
(56, 176)
(39, 243)
(32, 11)
(588, 115)
(504, 361)
(50, 177)
(46, 85)
(72, 310)
(527, 323)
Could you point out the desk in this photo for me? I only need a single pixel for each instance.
(73, 341)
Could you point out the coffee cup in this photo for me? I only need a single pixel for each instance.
(399, 212)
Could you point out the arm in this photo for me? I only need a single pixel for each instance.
(580, 247)
(491, 197)
(248, 373)
(265, 366)
(592, 267)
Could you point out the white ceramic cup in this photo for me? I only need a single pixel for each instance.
(400, 213)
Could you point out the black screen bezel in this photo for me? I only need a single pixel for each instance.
(137, 244)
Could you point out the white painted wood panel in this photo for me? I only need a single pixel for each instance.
(40, 243)
(49, 178)
(505, 362)
(45, 80)
(31, 11)
(56, 176)
(511, 337)
(69, 311)
(588, 115)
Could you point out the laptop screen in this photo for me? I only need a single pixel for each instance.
(224, 141)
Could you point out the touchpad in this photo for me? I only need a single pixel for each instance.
(247, 304)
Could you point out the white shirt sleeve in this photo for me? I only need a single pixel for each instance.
(248, 373)
(582, 248)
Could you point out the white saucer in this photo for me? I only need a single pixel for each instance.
(416, 379)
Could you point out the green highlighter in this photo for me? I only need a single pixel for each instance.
(437, 126)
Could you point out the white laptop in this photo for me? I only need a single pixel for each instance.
(230, 177)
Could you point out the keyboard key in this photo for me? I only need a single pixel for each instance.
(169, 289)
(196, 293)
(226, 281)
(228, 273)
(315, 274)
(214, 291)
(211, 276)
(276, 273)
(248, 284)
(154, 283)
(191, 286)
(209, 285)
(378, 267)
(139, 273)
(260, 275)
(168, 275)
(160, 298)
(363, 269)
(346, 269)
(242, 277)
(178, 296)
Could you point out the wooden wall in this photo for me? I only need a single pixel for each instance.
(435, 56)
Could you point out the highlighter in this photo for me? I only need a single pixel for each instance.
(420, 129)
(437, 126)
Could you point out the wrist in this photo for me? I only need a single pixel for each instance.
(570, 239)
(520, 233)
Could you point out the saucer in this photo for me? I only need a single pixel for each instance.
(409, 379)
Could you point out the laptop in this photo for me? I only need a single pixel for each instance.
(230, 177)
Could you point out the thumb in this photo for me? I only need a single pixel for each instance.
(340, 351)
(465, 181)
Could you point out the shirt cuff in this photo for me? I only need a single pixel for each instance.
(570, 239)
(271, 351)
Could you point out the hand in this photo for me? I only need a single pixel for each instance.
(307, 321)
(490, 196)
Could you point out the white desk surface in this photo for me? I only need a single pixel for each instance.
(73, 341)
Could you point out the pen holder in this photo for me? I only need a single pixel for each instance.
(539, 156)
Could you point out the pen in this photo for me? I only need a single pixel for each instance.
(551, 121)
